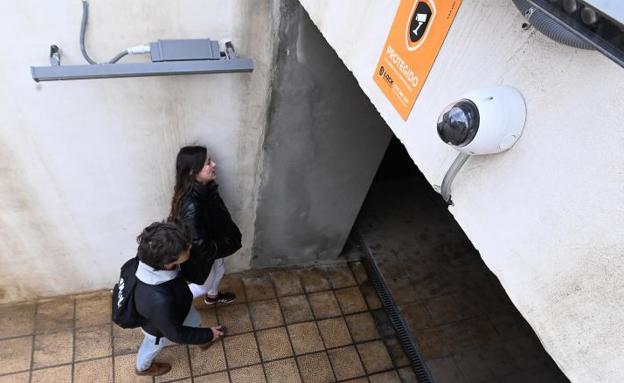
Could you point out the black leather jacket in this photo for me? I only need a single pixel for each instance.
(165, 307)
(215, 235)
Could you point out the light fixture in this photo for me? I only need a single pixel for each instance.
(168, 57)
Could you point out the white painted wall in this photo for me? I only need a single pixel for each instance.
(547, 216)
(85, 165)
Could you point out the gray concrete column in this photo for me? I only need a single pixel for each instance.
(323, 144)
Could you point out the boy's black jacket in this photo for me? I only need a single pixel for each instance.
(164, 307)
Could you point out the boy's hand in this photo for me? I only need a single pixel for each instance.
(217, 332)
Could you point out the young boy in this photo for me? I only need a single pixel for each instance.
(163, 298)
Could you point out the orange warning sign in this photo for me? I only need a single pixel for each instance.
(416, 36)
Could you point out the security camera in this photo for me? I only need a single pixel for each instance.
(484, 121)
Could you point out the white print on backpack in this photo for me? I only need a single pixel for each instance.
(120, 296)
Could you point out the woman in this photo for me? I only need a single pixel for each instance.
(196, 201)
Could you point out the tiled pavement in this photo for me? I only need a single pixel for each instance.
(300, 325)
(467, 329)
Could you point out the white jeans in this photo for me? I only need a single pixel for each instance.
(211, 286)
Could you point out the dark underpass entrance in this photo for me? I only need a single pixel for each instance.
(465, 327)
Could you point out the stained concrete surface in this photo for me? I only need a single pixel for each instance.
(323, 143)
(466, 327)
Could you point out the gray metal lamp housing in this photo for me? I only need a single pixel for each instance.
(168, 57)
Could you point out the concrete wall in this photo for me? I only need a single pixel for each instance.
(85, 165)
(547, 216)
(323, 144)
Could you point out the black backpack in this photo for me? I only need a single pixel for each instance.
(124, 311)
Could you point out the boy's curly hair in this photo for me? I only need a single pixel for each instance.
(162, 242)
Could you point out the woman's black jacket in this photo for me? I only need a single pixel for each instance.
(215, 235)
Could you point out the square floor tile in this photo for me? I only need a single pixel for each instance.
(126, 341)
(266, 314)
(417, 315)
(362, 327)
(93, 309)
(473, 331)
(443, 310)
(93, 342)
(371, 297)
(219, 377)
(55, 315)
(178, 358)
(472, 365)
(22, 377)
(324, 304)
(199, 304)
(234, 284)
(385, 377)
(357, 380)
(252, 374)
(305, 337)
(241, 350)
(15, 354)
(94, 371)
(274, 343)
(346, 363)
(433, 343)
(16, 320)
(359, 272)
(209, 316)
(375, 356)
(60, 374)
(258, 288)
(351, 300)
(286, 282)
(207, 361)
(296, 309)
(444, 370)
(499, 361)
(408, 376)
(52, 349)
(235, 318)
(399, 359)
(384, 326)
(334, 332)
(282, 371)
(125, 366)
(340, 276)
(313, 280)
(315, 368)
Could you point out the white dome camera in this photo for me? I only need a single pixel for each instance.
(484, 121)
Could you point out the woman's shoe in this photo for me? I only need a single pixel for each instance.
(224, 298)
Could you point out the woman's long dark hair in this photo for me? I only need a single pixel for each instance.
(189, 162)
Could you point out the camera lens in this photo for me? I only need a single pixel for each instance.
(459, 122)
